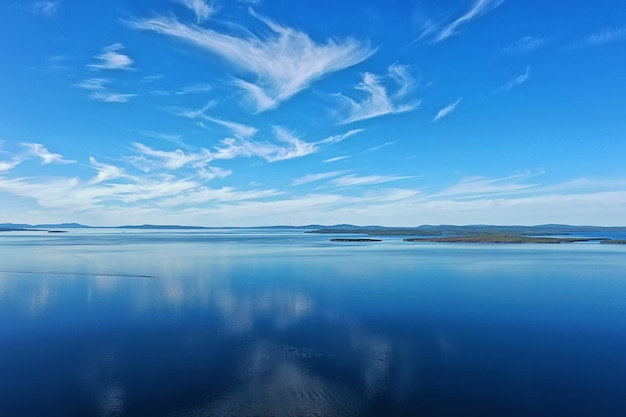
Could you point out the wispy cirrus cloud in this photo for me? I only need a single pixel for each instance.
(604, 36)
(171, 160)
(238, 129)
(46, 8)
(6, 166)
(112, 59)
(316, 177)
(282, 62)
(446, 110)
(201, 8)
(356, 180)
(106, 172)
(336, 158)
(100, 92)
(40, 151)
(379, 101)
(520, 79)
(480, 187)
(437, 31)
(525, 44)
(286, 145)
(190, 89)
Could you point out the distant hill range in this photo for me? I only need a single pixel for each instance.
(425, 230)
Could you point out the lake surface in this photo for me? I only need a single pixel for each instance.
(283, 323)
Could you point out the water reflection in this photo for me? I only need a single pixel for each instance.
(250, 329)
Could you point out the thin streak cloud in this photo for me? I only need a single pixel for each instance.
(605, 36)
(316, 177)
(520, 79)
(446, 110)
(436, 33)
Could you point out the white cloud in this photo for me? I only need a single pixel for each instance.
(436, 33)
(239, 129)
(106, 172)
(520, 79)
(173, 160)
(40, 151)
(190, 89)
(295, 147)
(110, 58)
(378, 102)
(6, 166)
(282, 62)
(111, 97)
(606, 36)
(201, 8)
(525, 44)
(336, 158)
(316, 177)
(46, 8)
(99, 91)
(355, 180)
(382, 145)
(152, 78)
(93, 84)
(446, 110)
(210, 173)
(479, 187)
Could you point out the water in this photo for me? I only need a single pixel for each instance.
(281, 323)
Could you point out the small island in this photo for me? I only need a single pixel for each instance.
(503, 239)
(346, 239)
(547, 233)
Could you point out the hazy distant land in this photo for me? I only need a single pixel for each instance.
(549, 233)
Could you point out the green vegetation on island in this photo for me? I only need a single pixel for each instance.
(502, 239)
(344, 239)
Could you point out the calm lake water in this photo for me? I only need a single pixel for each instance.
(282, 323)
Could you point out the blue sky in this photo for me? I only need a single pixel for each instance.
(237, 113)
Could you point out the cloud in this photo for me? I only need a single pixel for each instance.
(106, 172)
(525, 44)
(520, 79)
(6, 166)
(281, 62)
(295, 148)
(316, 177)
(287, 146)
(378, 102)
(605, 36)
(111, 59)
(190, 89)
(382, 145)
(354, 180)
(201, 8)
(99, 91)
(111, 97)
(210, 173)
(239, 129)
(46, 8)
(336, 158)
(446, 110)
(40, 151)
(435, 32)
(175, 159)
(479, 187)
(151, 78)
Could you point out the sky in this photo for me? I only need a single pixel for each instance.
(275, 112)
